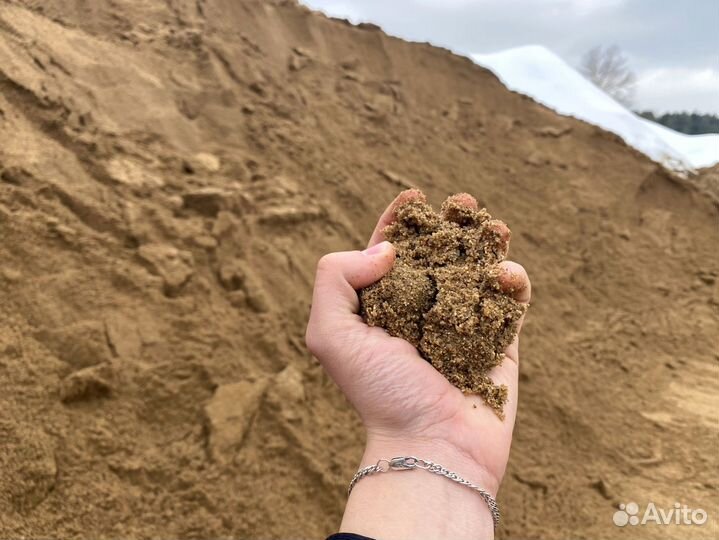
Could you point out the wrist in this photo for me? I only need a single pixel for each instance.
(416, 503)
(459, 460)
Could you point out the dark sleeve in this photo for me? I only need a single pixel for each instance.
(348, 536)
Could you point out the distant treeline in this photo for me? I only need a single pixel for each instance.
(691, 123)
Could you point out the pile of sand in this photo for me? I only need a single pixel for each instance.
(170, 172)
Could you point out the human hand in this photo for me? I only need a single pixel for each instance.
(408, 407)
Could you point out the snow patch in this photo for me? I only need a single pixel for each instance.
(539, 73)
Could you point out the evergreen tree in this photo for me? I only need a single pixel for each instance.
(685, 122)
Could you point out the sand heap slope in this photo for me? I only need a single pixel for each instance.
(169, 174)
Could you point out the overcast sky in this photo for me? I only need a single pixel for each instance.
(673, 46)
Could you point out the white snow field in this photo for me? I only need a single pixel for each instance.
(539, 73)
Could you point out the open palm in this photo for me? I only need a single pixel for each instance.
(398, 394)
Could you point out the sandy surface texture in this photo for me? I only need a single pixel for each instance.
(170, 173)
(444, 296)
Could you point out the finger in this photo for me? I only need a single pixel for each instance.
(512, 351)
(507, 374)
(388, 215)
(462, 209)
(514, 281)
(464, 199)
(504, 235)
(335, 302)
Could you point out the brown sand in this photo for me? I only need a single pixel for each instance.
(170, 173)
(443, 294)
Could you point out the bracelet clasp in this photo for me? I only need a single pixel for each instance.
(403, 463)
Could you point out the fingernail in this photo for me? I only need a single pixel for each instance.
(377, 248)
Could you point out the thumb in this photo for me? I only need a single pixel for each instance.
(334, 301)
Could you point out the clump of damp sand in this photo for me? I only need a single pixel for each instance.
(443, 294)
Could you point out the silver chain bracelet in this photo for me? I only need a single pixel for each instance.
(410, 462)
